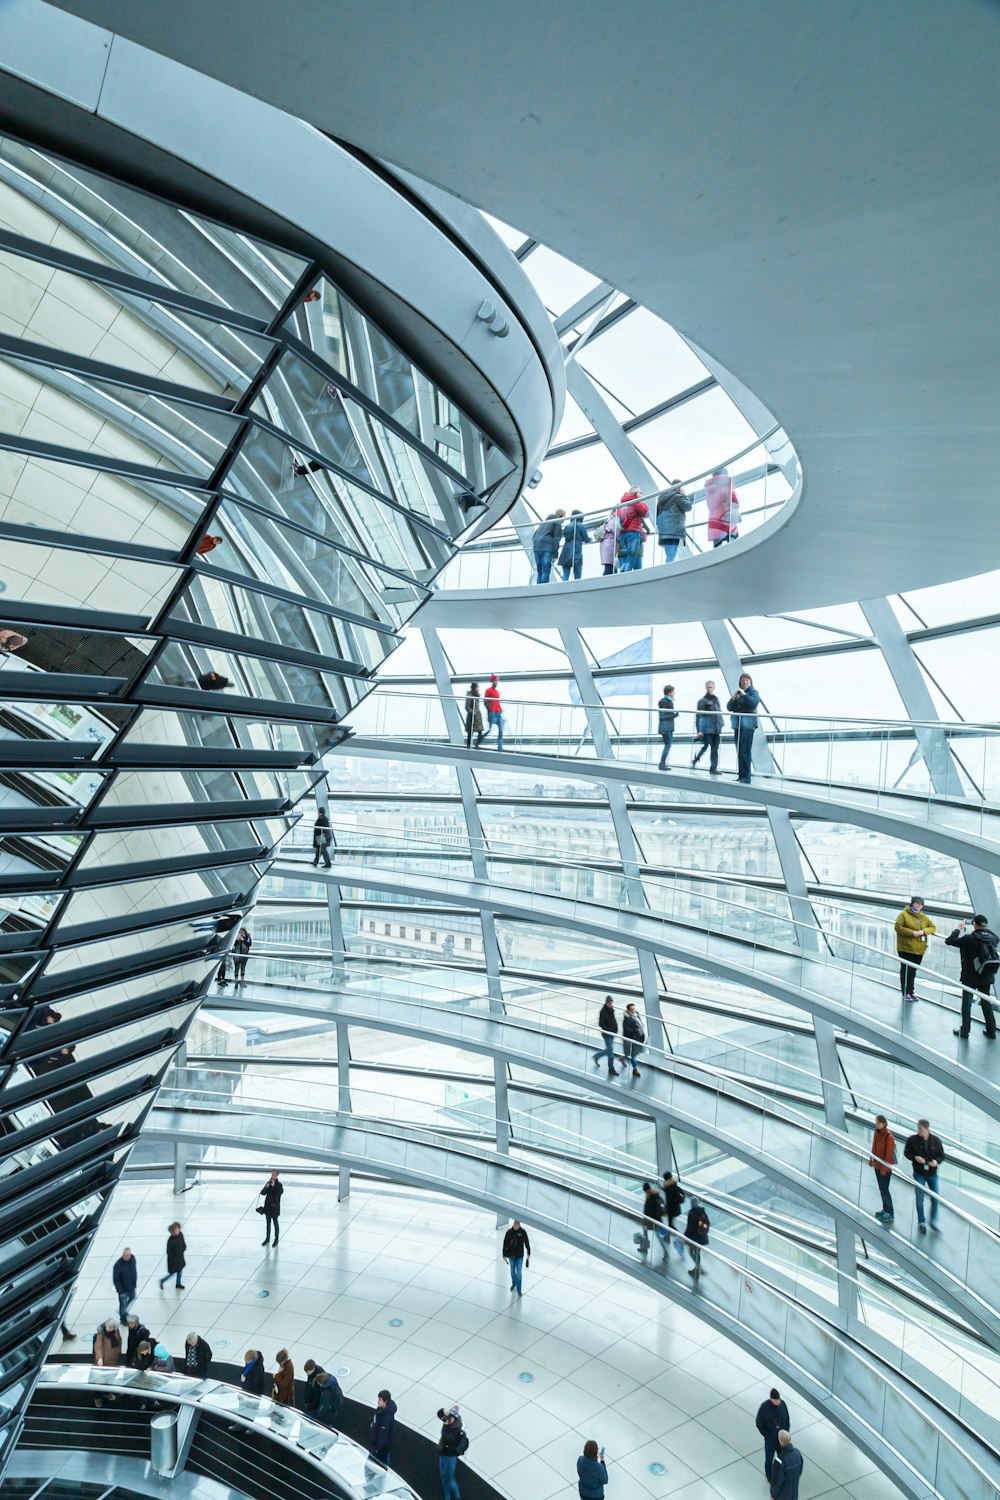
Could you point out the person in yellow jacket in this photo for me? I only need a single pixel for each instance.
(913, 929)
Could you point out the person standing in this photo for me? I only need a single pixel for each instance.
(163, 1360)
(607, 1025)
(473, 716)
(545, 544)
(241, 952)
(137, 1334)
(253, 1380)
(925, 1154)
(723, 508)
(665, 723)
(517, 1254)
(708, 724)
(653, 1210)
(742, 707)
(310, 1395)
(452, 1443)
(607, 536)
(176, 1247)
(882, 1160)
(696, 1233)
(787, 1470)
(331, 1398)
(494, 711)
(271, 1193)
(772, 1418)
(125, 1275)
(283, 1380)
(322, 838)
(197, 1356)
(980, 956)
(575, 538)
(108, 1345)
(673, 1196)
(671, 526)
(632, 530)
(381, 1429)
(913, 928)
(591, 1472)
(633, 1038)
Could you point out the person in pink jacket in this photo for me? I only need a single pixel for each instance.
(609, 541)
(723, 508)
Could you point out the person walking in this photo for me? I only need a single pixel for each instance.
(125, 1275)
(331, 1398)
(607, 1025)
(310, 1393)
(575, 538)
(925, 1154)
(913, 928)
(723, 508)
(671, 526)
(591, 1471)
(176, 1247)
(322, 838)
(517, 1254)
(197, 1356)
(665, 723)
(253, 1380)
(452, 1443)
(271, 1193)
(632, 530)
(979, 951)
(653, 1211)
(742, 708)
(882, 1160)
(786, 1470)
(381, 1429)
(772, 1418)
(473, 716)
(494, 711)
(708, 724)
(673, 1197)
(283, 1380)
(633, 1038)
(545, 544)
(696, 1233)
(241, 952)
(607, 537)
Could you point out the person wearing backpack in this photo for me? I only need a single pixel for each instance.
(980, 956)
(452, 1444)
(696, 1232)
(883, 1159)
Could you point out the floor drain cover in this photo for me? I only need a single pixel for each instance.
(526, 1376)
(657, 1468)
(395, 1322)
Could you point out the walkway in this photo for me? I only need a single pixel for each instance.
(824, 1166)
(821, 1361)
(918, 1035)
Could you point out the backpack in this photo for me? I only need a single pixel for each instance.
(987, 962)
(463, 1443)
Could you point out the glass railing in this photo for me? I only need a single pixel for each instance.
(759, 489)
(583, 1195)
(909, 767)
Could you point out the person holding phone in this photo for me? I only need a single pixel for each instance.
(591, 1472)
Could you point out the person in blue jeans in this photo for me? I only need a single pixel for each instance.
(925, 1154)
(632, 530)
(545, 544)
(452, 1443)
(125, 1275)
(517, 1254)
(742, 707)
(607, 1025)
(665, 723)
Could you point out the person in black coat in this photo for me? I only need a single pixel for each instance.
(331, 1399)
(978, 947)
(517, 1253)
(772, 1418)
(322, 838)
(137, 1334)
(125, 1275)
(310, 1394)
(696, 1232)
(607, 1025)
(787, 1470)
(381, 1430)
(176, 1247)
(241, 952)
(673, 1197)
(633, 1038)
(255, 1380)
(665, 723)
(197, 1356)
(271, 1193)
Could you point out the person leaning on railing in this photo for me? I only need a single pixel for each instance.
(671, 527)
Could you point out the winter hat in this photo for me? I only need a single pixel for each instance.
(161, 1352)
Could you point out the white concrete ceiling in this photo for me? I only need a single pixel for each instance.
(809, 192)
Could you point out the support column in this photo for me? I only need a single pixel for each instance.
(180, 1147)
(344, 1105)
(944, 775)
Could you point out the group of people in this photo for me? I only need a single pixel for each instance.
(925, 1153)
(979, 957)
(621, 535)
(239, 954)
(475, 730)
(708, 725)
(125, 1271)
(668, 1204)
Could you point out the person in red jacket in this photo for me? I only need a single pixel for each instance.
(882, 1157)
(632, 529)
(494, 711)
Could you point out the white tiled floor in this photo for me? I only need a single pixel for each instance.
(610, 1359)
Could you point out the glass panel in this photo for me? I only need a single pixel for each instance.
(214, 733)
(184, 665)
(52, 576)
